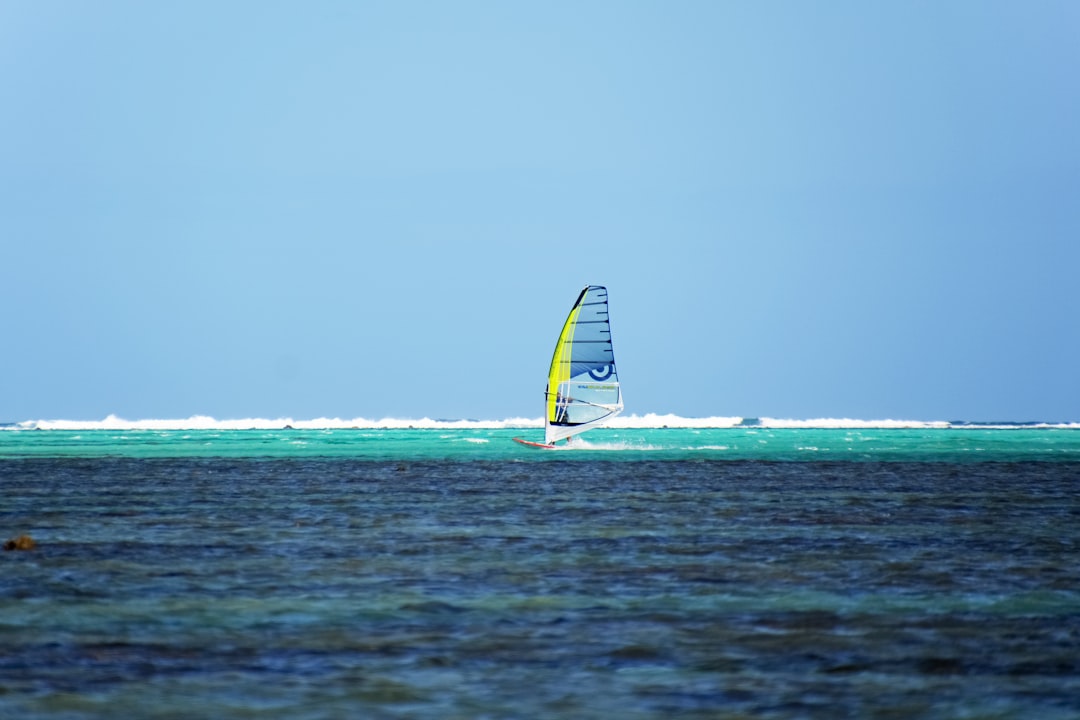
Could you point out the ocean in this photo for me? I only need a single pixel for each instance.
(404, 569)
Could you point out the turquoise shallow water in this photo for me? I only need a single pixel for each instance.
(875, 444)
(450, 573)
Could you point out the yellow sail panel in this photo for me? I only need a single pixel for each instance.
(559, 373)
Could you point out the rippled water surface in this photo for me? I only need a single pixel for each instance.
(577, 587)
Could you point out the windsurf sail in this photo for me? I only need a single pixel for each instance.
(583, 387)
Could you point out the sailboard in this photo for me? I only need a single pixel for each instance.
(582, 390)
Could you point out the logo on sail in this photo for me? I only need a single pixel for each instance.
(602, 373)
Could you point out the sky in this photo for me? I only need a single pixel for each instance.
(386, 209)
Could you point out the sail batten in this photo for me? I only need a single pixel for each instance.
(583, 387)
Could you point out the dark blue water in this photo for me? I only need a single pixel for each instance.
(336, 587)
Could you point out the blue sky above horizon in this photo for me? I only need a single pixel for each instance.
(340, 209)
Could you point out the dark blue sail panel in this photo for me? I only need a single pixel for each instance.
(590, 338)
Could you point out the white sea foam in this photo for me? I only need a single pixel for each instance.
(204, 422)
(626, 422)
(580, 443)
(653, 420)
(848, 423)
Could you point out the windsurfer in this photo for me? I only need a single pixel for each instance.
(561, 404)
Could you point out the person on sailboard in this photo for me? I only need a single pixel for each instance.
(562, 403)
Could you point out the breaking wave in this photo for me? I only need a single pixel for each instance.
(646, 421)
